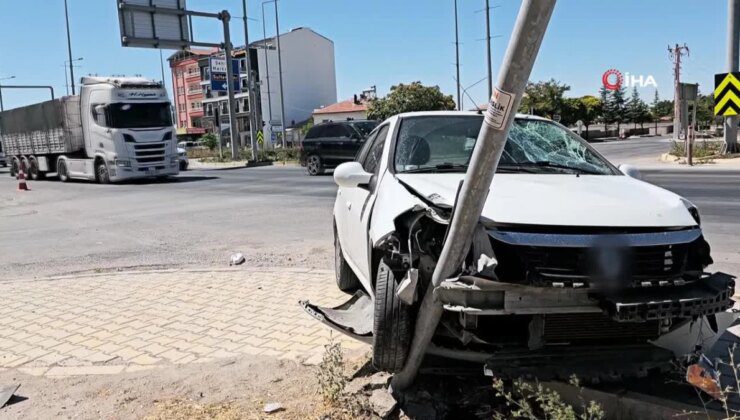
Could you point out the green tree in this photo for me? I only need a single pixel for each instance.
(544, 98)
(705, 111)
(589, 110)
(606, 112)
(409, 98)
(209, 140)
(619, 106)
(663, 109)
(637, 111)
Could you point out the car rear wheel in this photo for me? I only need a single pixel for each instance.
(347, 281)
(392, 329)
(314, 165)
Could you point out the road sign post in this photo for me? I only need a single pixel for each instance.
(225, 18)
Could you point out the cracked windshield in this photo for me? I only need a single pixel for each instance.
(333, 209)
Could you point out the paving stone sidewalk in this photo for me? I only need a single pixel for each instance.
(111, 323)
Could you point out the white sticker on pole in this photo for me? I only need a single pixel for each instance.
(499, 109)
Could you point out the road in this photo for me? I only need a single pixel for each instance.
(634, 151)
(274, 215)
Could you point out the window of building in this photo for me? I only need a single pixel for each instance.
(194, 88)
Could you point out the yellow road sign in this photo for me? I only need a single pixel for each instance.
(260, 138)
(726, 94)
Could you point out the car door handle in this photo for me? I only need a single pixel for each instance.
(349, 205)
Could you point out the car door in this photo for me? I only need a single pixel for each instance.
(333, 143)
(358, 202)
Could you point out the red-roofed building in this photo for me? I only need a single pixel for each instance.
(351, 109)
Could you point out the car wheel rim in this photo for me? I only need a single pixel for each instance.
(313, 164)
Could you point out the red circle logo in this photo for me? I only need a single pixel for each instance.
(612, 79)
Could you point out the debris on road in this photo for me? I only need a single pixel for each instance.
(382, 402)
(6, 393)
(373, 382)
(273, 407)
(704, 375)
(237, 259)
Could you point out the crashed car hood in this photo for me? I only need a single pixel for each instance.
(564, 199)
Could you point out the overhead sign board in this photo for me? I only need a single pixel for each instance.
(218, 74)
(153, 23)
(727, 94)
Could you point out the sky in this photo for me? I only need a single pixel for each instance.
(386, 42)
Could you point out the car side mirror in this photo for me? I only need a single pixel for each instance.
(351, 175)
(630, 171)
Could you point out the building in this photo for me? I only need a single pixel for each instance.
(351, 109)
(309, 76)
(187, 92)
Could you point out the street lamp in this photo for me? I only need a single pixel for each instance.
(280, 66)
(66, 62)
(69, 49)
(1, 90)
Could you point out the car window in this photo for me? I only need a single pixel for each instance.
(315, 132)
(336, 130)
(372, 160)
(428, 144)
(365, 127)
(362, 153)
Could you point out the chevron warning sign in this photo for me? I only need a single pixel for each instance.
(726, 94)
(260, 138)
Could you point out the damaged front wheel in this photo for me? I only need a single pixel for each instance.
(392, 329)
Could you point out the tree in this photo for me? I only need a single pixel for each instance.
(607, 110)
(409, 98)
(705, 111)
(637, 111)
(209, 140)
(545, 98)
(589, 110)
(663, 109)
(619, 106)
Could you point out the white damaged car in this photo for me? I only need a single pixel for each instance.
(577, 266)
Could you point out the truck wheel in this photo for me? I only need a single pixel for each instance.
(101, 173)
(392, 329)
(62, 171)
(33, 170)
(14, 168)
(314, 165)
(347, 281)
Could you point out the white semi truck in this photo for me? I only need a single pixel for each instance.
(117, 128)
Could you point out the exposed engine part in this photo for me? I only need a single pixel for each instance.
(407, 289)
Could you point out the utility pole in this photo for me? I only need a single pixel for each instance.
(733, 50)
(457, 60)
(488, 49)
(161, 65)
(69, 49)
(530, 27)
(267, 71)
(250, 85)
(280, 77)
(676, 53)
(225, 18)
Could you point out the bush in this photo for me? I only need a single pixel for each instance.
(702, 149)
(209, 140)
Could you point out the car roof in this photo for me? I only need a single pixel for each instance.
(459, 113)
(343, 122)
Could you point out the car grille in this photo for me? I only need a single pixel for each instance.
(589, 328)
(574, 267)
(150, 153)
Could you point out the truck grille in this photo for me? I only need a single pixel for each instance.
(150, 153)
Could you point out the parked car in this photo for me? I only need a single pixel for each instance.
(187, 144)
(328, 144)
(182, 156)
(574, 261)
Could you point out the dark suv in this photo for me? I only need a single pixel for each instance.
(328, 144)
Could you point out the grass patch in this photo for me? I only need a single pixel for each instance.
(702, 149)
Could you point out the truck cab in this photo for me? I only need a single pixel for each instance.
(127, 129)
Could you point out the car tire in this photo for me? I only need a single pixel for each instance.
(183, 166)
(101, 173)
(314, 165)
(347, 281)
(393, 326)
(62, 171)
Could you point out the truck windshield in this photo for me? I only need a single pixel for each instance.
(445, 144)
(128, 115)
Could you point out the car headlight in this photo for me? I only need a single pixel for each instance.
(693, 210)
(123, 163)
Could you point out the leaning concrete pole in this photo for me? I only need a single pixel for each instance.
(733, 51)
(525, 42)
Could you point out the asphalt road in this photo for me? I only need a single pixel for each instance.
(274, 215)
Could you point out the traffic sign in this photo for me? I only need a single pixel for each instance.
(727, 94)
(218, 74)
(260, 138)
